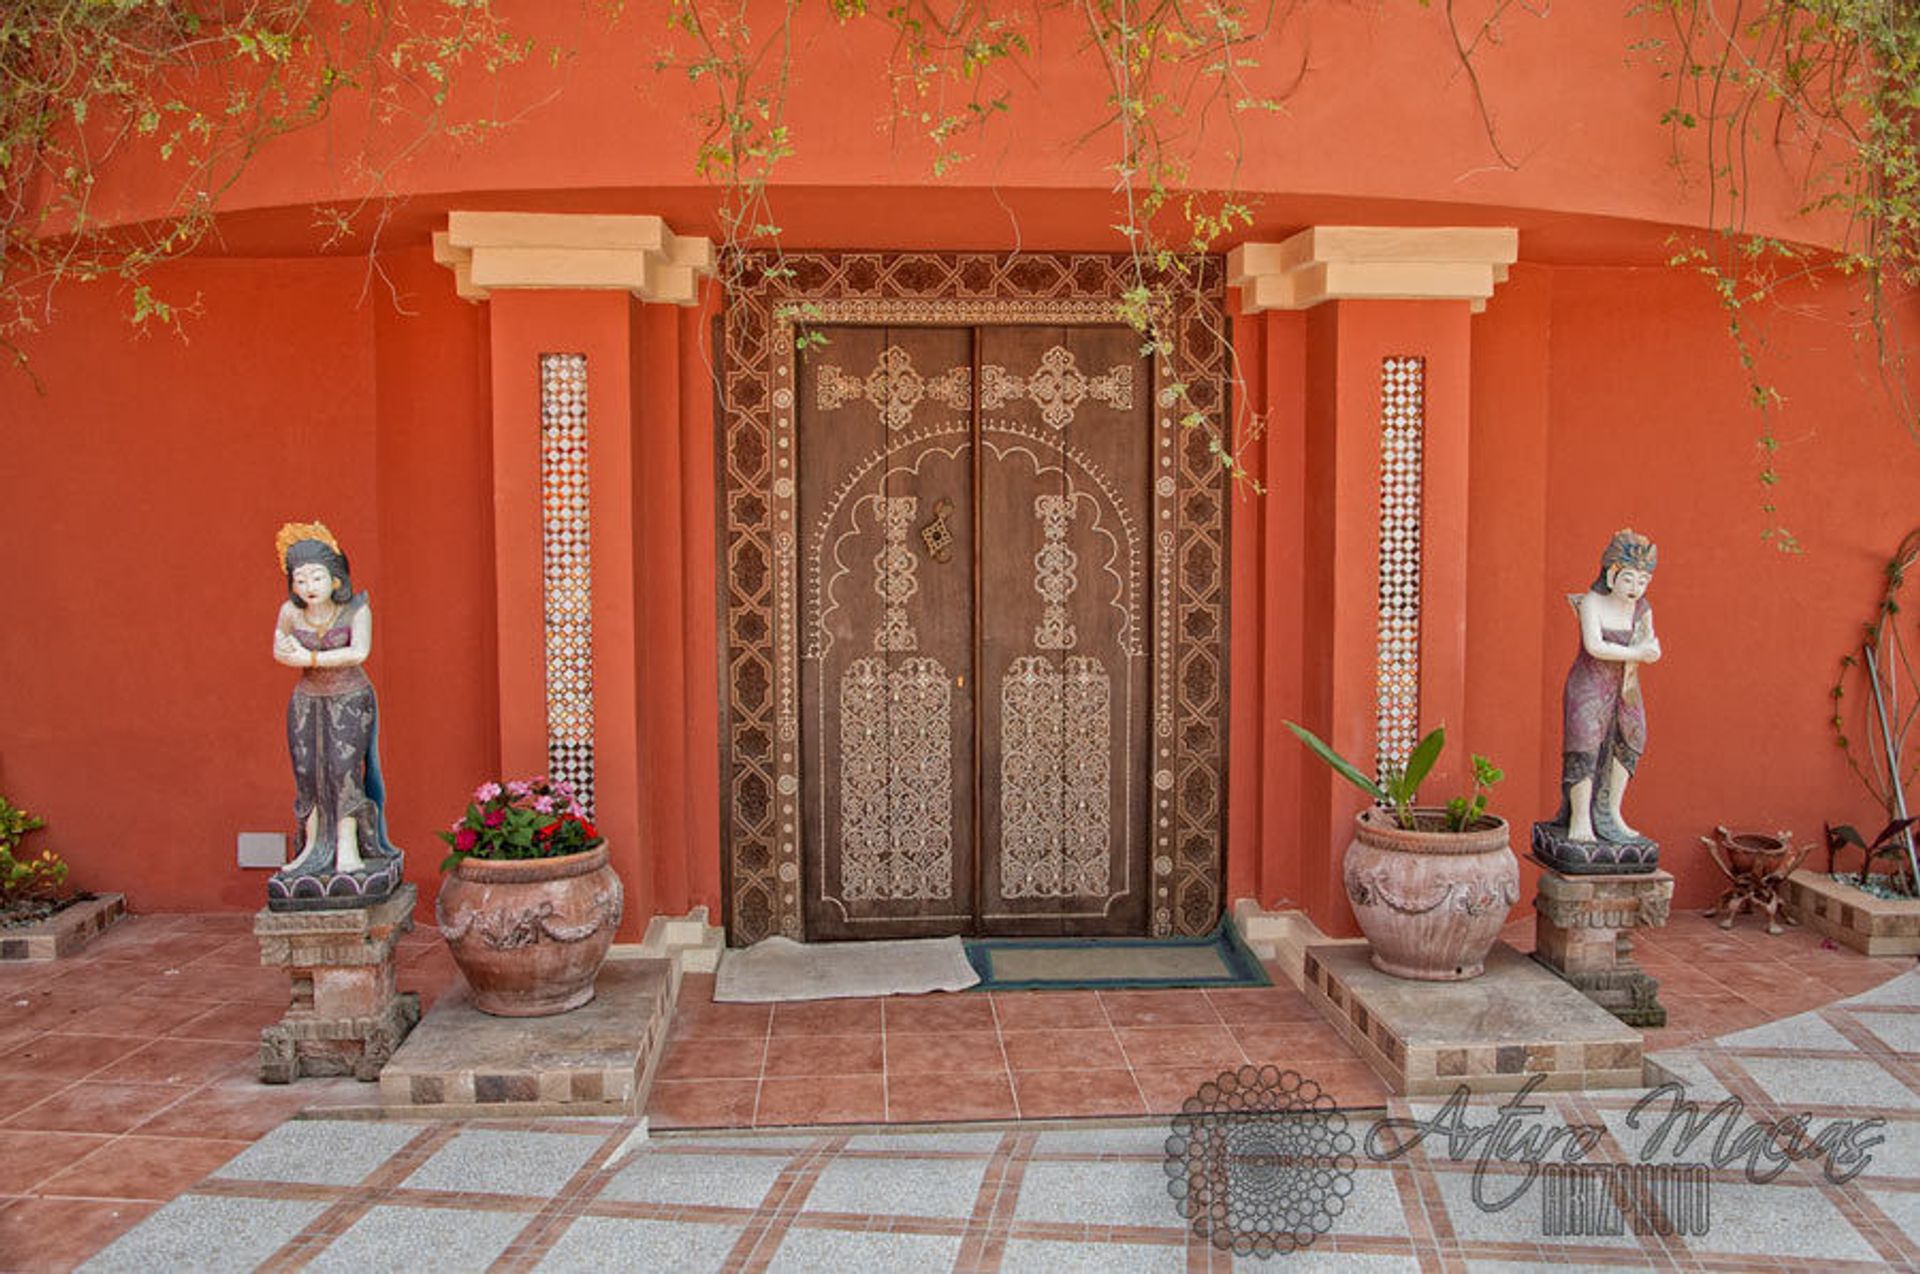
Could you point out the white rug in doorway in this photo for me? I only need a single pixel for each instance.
(782, 969)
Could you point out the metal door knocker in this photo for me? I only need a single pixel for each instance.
(939, 539)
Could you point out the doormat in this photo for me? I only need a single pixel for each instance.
(780, 969)
(1034, 964)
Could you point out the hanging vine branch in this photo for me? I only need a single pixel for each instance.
(193, 92)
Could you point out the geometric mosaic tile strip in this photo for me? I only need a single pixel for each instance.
(1402, 420)
(567, 571)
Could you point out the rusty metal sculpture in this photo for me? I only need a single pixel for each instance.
(1758, 865)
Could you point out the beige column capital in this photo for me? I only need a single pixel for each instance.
(637, 254)
(1376, 263)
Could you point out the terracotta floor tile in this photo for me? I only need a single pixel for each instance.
(1260, 1006)
(94, 1107)
(854, 1099)
(145, 1018)
(723, 1057)
(827, 1017)
(1350, 1084)
(236, 1109)
(703, 1103)
(1293, 1044)
(63, 1056)
(250, 983)
(706, 1020)
(972, 1052)
(18, 1094)
(142, 1168)
(28, 1158)
(1166, 1088)
(1063, 1050)
(824, 1055)
(1212, 1046)
(190, 1063)
(1045, 1094)
(1159, 1008)
(940, 1011)
(927, 1098)
(235, 1021)
(1048, 1010)
(58, 1234)
(697, 986)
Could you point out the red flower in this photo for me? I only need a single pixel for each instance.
(496, 816)
(586, 829)
(465, 839)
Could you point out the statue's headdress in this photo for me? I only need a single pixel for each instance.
(1630, 549)
(294, 533)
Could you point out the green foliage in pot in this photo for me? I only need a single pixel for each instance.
(1398, 789)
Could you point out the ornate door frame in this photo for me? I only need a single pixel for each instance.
(760, 599)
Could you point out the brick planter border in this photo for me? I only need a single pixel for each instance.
(1853, 917)
(64, 932)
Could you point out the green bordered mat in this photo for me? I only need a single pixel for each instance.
(1040, 964)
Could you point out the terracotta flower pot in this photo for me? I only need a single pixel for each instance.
(1430, 902)
(530, 933)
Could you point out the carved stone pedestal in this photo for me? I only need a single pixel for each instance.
(1580, 932)
(346, 1018)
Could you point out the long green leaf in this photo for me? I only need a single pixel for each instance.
(1341, 766)
(1420, 760)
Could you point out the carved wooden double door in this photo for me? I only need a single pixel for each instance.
(973, 505)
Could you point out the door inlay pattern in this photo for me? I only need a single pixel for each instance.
(894, 388)
(894, 578)
(1056, 782)
(1186, 534)
(1057, 387)
(896, 780)
(1053, 573)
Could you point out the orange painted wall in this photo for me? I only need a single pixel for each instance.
(1377, 108)
(143, 716)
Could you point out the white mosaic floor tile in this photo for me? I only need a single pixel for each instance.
(1034, 1256)
(206, 1234)
(1902, 1208)
(1319, 1260)
(1898, 1031)
(1779, 1219)
(982, 1143)
(805, 1251)
(596, 1245)
(719, 1181)
(899, 1187)
(1904, 989)
(1150, 1140)
(424, 1240)
(1802, 1030)
(1114, 1193)
(321, 1152)
(1500, 1207)
(1799, 1081)
(487, 1162)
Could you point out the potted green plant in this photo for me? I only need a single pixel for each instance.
(1430, 886)
(529, 903)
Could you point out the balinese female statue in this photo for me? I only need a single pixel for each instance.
(325, 630)
(1604, 717)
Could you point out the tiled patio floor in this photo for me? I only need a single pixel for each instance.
(125, 1075)
(582, 1195)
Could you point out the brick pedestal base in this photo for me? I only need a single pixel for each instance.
(346, 1018)
(1580, 932)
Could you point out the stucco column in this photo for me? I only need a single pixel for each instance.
(1381, 525)
(572, 425)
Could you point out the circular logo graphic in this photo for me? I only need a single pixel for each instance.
(1260, 1162)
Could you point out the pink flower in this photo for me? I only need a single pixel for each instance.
(562, 789)
(577, 810)
(496, 816)
(518, 788)
(456, 825)
(544, 804)
(486, 791)
(465, 839)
